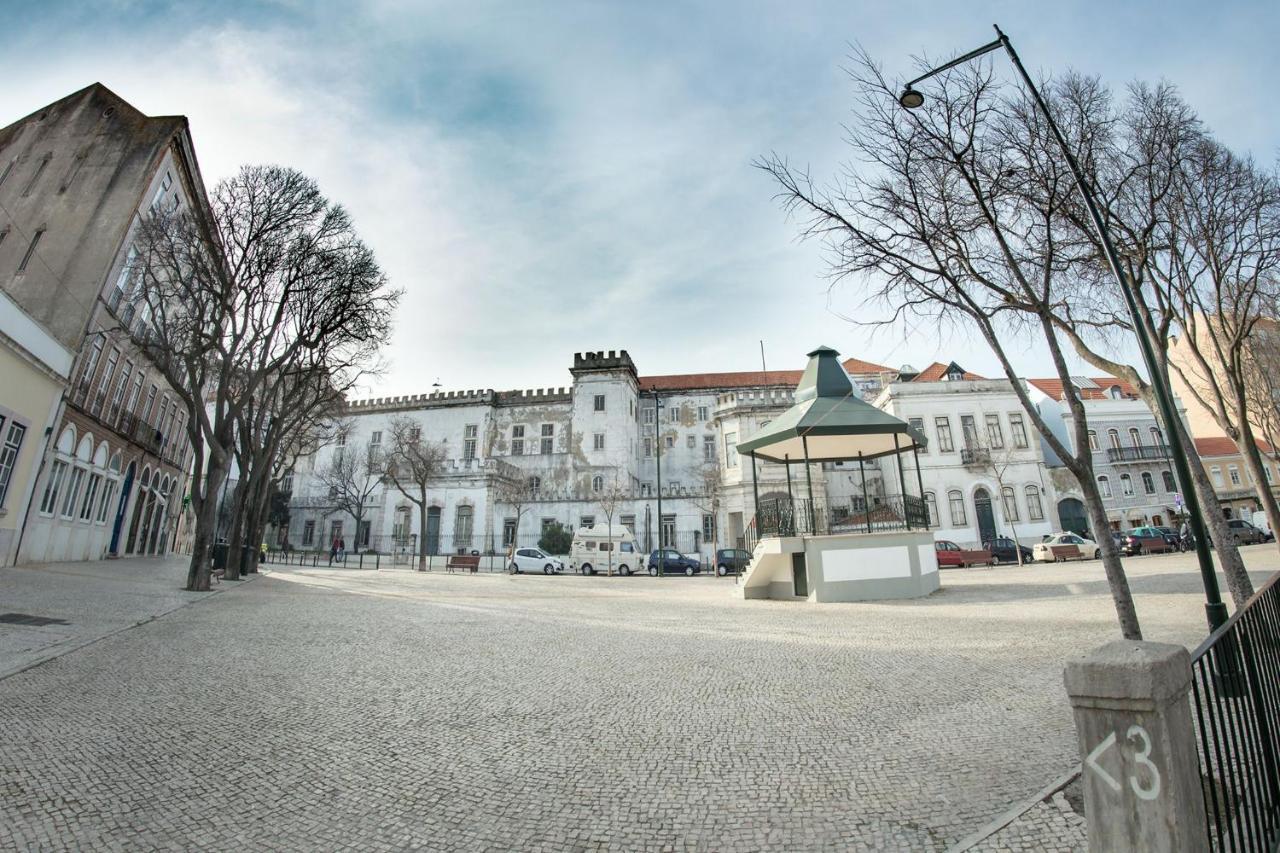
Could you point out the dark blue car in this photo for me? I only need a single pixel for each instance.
(673, 562)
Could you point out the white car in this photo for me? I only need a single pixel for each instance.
(534, 560)
(1043, 553)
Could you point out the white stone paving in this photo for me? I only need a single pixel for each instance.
(314, 709)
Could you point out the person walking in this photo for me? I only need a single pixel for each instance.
(333, 549)
(1184, 537)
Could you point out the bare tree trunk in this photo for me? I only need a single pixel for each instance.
(1253, 462)
(206, 515)
(235, 537)
(1116, 579)
(422, 536)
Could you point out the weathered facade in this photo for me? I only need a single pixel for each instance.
(77, 176)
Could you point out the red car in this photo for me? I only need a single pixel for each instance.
(951, 555)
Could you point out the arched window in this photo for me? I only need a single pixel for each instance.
(402, 525)
(1035, 510)
(1157, 438)
(462, 527)
(956, 499)
(1169, 484)
(1104, 486)
(1126, 484)
(1010, 503)
(1093, 440)
(1135, 437)
(597, 483)
(1148, 483)
(1113, 436)
(931, 501)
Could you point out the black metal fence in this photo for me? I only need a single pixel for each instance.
(1235, 689)
(799, 516)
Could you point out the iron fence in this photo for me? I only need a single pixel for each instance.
(1235, 689)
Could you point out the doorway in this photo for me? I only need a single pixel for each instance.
(986, 518)
(1072, 518)
(433, 530)
(799, 576)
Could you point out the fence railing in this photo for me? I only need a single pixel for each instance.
(799, 517)
(1146, 452)
(1235, 690)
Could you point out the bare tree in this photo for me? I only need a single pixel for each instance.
(611, 499)
(516, 494)
(998, 461)
(930, 224)
(229, 295)
(351, 478)
(412, 465)
(710, 483)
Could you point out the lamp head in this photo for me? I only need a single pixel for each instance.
(910, 98)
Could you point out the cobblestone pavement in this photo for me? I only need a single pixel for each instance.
(317, 709)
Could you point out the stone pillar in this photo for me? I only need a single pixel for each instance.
(1139, 766)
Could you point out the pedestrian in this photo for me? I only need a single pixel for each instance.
(1184, 536)
(342, 550)
(333, 549)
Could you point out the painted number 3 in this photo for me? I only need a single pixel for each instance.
(1136, 734)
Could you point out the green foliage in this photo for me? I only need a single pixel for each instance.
(556, 539)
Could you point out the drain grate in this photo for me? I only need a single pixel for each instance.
(28, 619)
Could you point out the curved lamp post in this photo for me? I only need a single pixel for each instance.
(910, 99)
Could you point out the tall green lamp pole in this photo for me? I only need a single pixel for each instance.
(910, 98)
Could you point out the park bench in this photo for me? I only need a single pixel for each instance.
(1062, 553)
(469, 562)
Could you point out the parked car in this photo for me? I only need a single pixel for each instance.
(1043, 551)
(731, 561)
(673, 562)
(534, 560)
(1260, 521)
(1244, 532)
(1170, 536)
(1005, 550)
(951, 555)
(1145, 540)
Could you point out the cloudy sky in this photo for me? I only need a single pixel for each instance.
(545, 178)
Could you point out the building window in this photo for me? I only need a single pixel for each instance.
(86, 505)
(4, 175)
(9, 456)
(1148, 483)
(53, 487)
(1234, 473)
(462, 527)
(31, 250)
(1135, 437)
(731, 450)
(517, 443)
(73, 492)
(1035, 511)
(673, 414)
(648, 415)
(1104, 486)
(107, 494)
(1010, 503)
(548, 438)
(994, 434)
(1113, 436)
(1093, 440)
(469, 433)
(648, 447)
(702, 413)
(668, 532)
(943, 427)
(376, 438)
(1018, 430)
(597, 483)
(670, 442)
(508, 531)
(339, 441)
(535, 484)
(969, 430)
(708, 527)
(598, 403)
(1157, 438)
(597, 441)
(956, 499)
(308, 532)
(629, 522)
(917, 424)
(31, 184)
(1126, 484)
(1169, 484)
(708, 448)
(931, 501)
(1216, 473)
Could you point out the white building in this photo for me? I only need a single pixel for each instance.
(983, 473)
(1130, 455)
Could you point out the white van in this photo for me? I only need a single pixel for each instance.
(593, 546)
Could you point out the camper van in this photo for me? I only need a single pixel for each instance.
(592, 547)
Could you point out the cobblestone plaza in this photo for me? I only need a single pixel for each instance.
(317, 709)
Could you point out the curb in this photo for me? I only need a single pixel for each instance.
(1016, 811)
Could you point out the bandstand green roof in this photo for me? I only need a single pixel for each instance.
(833, 421)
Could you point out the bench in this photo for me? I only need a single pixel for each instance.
(1062, 553)
(470, 562)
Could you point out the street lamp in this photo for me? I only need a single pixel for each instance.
(910, 99)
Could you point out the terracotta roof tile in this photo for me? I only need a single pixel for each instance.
(1220, 445)
(937, 370)
(746, 379)
(1053, 388)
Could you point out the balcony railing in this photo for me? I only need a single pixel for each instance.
(975, 457)
(1142, 453)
